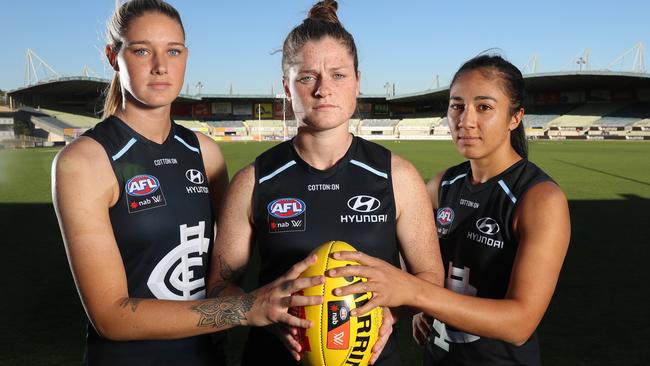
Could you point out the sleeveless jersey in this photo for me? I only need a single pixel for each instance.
(478, 248)
(163, 223)
(297, 208)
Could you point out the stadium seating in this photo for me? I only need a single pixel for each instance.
(584, 116)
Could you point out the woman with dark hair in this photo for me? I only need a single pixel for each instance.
(135, 197)
(503, 227)
(325, 184)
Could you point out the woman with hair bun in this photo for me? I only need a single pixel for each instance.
(503, 226)
(135, 197)
(319, 172)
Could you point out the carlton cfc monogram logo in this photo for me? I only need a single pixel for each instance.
(174, 277)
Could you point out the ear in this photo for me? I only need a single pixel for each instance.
(111, 55)
(516, 119)
(285, 86)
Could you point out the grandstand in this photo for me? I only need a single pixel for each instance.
(584, 105)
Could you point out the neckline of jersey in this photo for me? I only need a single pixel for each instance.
(142, 139)
(490, 182)
(326, 173)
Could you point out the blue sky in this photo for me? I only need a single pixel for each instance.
(404, 42)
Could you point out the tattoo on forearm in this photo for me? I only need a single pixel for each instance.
(133, 302)
(228, 276)
(230, 310)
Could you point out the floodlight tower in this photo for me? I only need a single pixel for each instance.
(638, 65)
(30, 69)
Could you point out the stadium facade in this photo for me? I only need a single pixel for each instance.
(588, 105)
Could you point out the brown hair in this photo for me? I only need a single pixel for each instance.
(321, 22)
(117, 26)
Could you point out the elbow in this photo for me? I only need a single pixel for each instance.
(110, 329)
(520, 334)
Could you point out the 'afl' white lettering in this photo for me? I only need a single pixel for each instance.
(176, 266)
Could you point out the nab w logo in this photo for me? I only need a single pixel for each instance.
(363, 203)
(339, 338)
(173, 278)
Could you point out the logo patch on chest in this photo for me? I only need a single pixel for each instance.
(144, 192)
(444, 219)
(286, 215)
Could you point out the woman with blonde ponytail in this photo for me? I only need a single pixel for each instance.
(323, 169)
(136, 198)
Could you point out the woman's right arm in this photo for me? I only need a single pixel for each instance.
(83, 189)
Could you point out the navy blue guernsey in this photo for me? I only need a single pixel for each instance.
(478, 248)
(296, 208)
(163, 223)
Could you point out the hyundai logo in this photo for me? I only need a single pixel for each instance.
(363, 203)
(194, 176)
(487, 225)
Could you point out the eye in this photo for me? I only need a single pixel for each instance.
(140, 51)
(456, 107)
(175, 52)
(306, 79)
(484, 107)
(338, 76)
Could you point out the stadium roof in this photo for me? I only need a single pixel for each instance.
(79, 90)
(549, 82)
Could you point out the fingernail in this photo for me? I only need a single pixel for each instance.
(332, 272)
(353, 313)
(337, 292)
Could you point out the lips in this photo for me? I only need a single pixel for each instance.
(324, 106)
(159, 85)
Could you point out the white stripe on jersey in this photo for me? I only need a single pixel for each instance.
(277, 171)
(369, 168)
(449, 182)
(124, 149)
(507, 190)
(186, 144)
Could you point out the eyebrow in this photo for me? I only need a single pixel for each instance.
(478, 97)
(148, 43)
(314, 71)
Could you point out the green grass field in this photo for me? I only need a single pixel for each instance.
(600, 314)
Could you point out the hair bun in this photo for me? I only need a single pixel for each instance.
(324, 11)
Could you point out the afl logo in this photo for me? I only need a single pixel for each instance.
(194, 176)
(284, 208)
(363, 203)
(487, 225)
(445, 216)
(142, 185)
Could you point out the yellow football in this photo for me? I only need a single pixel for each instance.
(336, 338)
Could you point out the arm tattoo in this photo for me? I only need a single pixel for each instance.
(228, 276)
(230, 310)
(133, 302)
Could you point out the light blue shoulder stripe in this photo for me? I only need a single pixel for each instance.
(196, 150)
(124, 149)
(507, 190)
(369, 168)
(449, 182)
(277, 171)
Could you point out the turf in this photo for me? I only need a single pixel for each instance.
(598, 316)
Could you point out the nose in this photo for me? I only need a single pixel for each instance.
(159, 66)
(324, 87)
(467, 119)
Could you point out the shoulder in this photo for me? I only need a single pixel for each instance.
(82, 152)
(432, 188)
(209, 147)
(402, 167)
